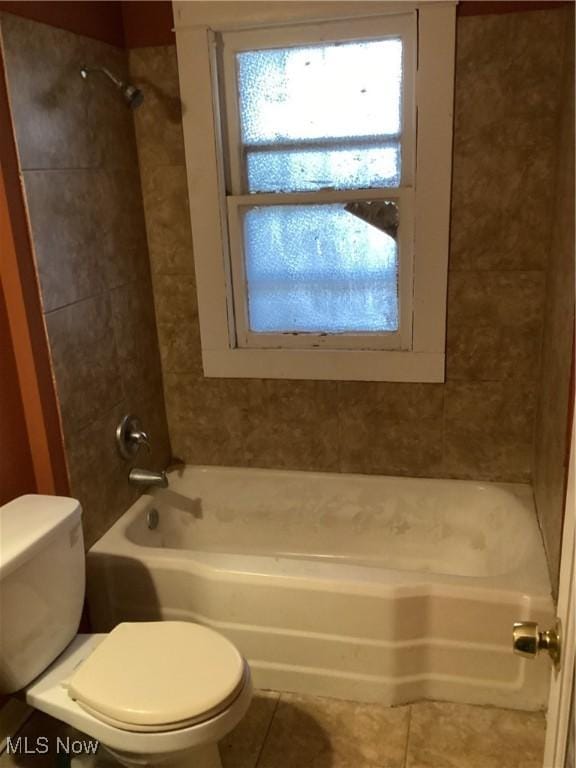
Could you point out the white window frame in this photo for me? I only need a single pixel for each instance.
(214, 219)
(392, 26)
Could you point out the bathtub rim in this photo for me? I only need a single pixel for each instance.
(529, 581)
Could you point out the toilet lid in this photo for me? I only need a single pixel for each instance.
(151, 674)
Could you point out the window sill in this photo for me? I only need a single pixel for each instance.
(324, 365)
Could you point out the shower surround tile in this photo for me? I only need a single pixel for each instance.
(134, 324)
(122, 239)
(99, 474)
(175, 298)
(501, 204)
(178, 326)
(556, 385)
(88, 231)
(533, 39)
(85, 360)
(292, 425)
(488, 429)
(180, 346)
(494, 325)
(165, 194)
(206, 418)
(508, 75)
(61, 120)
(382, 447)
(66, 210)
(478, 424)
(159, 119)
(390, 428)
(78, 153)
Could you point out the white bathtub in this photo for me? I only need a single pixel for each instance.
(366, 588)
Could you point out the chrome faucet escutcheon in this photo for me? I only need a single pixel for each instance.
(130, 437)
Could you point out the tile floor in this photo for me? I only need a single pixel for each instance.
(291, 731)
(283, 730)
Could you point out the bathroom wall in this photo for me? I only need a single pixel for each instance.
(479, 423)
(556, 391)
(79, 165)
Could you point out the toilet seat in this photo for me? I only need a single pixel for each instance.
(167, 727)
(158, 676)
(48, 694)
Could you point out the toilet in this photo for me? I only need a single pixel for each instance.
(149, 692)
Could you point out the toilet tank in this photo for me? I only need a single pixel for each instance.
(42, 580)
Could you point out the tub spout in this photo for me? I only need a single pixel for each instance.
(146, 477)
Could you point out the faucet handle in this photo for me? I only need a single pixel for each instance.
(130, 436)
(140, 437)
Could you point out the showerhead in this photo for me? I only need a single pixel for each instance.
(132, 96)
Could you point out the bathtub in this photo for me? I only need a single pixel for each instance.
(376, 589)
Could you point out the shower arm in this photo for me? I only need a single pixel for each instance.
(85, 71)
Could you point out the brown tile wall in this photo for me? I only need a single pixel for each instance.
(479, 424)
(79, 162)
(551, 439)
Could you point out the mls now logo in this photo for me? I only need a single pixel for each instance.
(23, 745)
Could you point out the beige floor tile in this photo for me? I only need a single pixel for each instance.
(311, 732)
(242, 747)
(446, 735)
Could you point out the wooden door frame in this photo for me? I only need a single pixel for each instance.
(562, 680)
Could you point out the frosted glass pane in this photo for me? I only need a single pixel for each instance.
(322, 91)
(309, 170)
(322, 268)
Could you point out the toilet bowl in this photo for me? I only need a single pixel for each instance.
(152, 693)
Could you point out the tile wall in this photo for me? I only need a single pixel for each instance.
(556, 394)
(79, 164)
(92, 243)
(480, 423)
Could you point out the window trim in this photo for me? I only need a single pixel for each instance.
(196, 24)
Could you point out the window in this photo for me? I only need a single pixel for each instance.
(319, 210)
(318, 118)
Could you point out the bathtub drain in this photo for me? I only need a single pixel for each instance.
(152, 518)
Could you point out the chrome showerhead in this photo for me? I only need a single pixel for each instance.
(132, 96)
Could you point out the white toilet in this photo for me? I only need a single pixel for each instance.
(150, 692)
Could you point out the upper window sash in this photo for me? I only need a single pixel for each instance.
(401, 26)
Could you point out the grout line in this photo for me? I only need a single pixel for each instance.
(338, 427)
(498, 270)
(149, 168)
(101, 168)
(99, 294)
(405, 763)
(264, 740)
(443, 440)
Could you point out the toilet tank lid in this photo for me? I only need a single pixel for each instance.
(28, 522)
